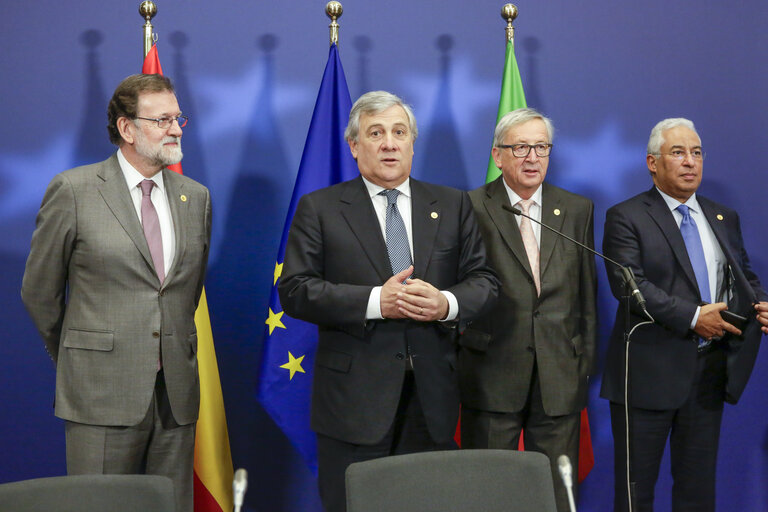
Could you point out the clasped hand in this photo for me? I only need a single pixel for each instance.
(414, 299)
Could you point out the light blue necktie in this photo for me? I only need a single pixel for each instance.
(692, 240)
(397, 237)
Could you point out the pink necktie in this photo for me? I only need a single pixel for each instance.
(529, 240)
(151, 224)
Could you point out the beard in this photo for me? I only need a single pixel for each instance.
(159, 155)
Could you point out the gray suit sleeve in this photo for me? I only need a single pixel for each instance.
(44, 285)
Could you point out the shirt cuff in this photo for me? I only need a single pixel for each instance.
(373, 311)
(695, 317)
(453, 306)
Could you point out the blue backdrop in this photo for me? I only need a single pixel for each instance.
(247, 73)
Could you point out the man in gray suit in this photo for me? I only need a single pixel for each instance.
(112, 282)
(525, 365)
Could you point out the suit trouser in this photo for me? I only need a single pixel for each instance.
(408, 434)
(155, 446)
(693, 431)
(551, 435)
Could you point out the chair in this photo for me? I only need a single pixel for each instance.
(452, 481)
(89, 493)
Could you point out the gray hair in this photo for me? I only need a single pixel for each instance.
(656, 140)
(518, 117)
(372, 103)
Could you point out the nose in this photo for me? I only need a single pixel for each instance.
(532, 156)
(175, 129)
(388, 141)
(688, 159)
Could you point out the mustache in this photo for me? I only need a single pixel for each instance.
(171, 139)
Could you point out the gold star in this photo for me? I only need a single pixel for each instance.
(274, 320)
(293, 365)
(278, 272)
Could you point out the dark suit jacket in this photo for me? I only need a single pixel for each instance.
(642, 234)
(335, 255)
(91, 288)
(556, 329)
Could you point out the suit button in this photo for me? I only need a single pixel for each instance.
(161, 293)
(400, 356)
(156, 334)
(536, 314)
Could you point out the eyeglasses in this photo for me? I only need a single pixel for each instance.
(165, 122)
(679, 154)
(523, 150)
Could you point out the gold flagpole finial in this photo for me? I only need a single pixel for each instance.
(333, 9)
(509, 13)
(148, 10)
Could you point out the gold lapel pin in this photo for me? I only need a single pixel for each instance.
(433, 215)
(183, 198)
(719, 216)
(557, 211)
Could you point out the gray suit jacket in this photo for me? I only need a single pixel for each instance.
(556, 329)
(92, 291)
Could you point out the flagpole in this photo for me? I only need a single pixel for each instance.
(148, 10)
(334, 11)
(509, 13)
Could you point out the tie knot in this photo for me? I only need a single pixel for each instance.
(525, 205)
(684, 210)
(391, 195)
(146, 187)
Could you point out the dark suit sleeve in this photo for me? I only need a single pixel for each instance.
(44, 285)
(623, 241)
(305, 294)
(204, 261)
(477, 287)
(746, 267)
(588, 291)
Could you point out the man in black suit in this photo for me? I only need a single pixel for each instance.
(387, 267)
(690, 264)
(525, 365)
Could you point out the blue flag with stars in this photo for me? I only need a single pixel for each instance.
(285, 379)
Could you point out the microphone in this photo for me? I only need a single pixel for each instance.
(239, 486)
(626, 272)
(566, 473)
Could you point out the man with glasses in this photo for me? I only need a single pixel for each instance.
(525, 365)
(690, 264)
(112, 282)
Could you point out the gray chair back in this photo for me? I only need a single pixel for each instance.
(452, 481)
(89, 493)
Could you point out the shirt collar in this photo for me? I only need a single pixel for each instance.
(373, 189)
(134, 177)
(514, 198)
(673, 203)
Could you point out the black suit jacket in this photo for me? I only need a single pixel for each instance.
(642, 234)
(557, 329)
(335, 255)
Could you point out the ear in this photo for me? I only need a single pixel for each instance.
(352, 148)
(126, 128)
(651, 161)
(496, 153)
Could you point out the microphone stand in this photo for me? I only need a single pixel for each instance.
(631, 291)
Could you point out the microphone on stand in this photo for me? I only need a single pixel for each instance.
(239, 486)
(626, 272)
(566, 473)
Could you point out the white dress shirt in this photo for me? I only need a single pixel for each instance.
(373, 312)
(534, 211)
(133, 178)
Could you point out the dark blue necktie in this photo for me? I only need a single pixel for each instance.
(397, 237)
(692, 240)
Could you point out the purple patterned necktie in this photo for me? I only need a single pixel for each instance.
(151, 224)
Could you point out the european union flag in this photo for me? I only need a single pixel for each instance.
(289, 345)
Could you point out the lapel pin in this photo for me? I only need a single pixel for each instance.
(719, 216)
(557, 211)
(433, 215)
(183, 198)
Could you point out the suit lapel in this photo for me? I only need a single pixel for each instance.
(505, 222)
(357, 210)
(660, 214)
(116, 195)
(425, 219)
(179, 206)
(552, 214)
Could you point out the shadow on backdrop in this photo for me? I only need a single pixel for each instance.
(440, 157)
(238, 288)
(93, 140)
(363, 45)
(530, 76)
